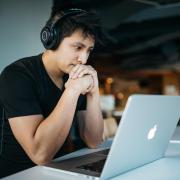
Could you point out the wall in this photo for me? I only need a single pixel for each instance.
(20, 24)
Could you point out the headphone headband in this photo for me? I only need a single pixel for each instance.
(49, 35)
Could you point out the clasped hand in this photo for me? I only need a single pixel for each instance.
(84, 78)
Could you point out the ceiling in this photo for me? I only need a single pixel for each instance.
(141, 34)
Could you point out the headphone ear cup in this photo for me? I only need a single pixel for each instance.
(50, 33)
(48, 37)
(56, 39)
(45, 36)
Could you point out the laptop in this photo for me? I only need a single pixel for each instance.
(146, 127)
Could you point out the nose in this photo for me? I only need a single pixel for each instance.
(83, 57)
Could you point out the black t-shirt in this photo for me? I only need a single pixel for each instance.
(26, 89)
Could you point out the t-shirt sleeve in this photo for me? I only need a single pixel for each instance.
(17, 93)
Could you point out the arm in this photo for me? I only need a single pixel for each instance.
(42, 138)
(90, 121)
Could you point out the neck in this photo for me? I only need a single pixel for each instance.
(52, 68)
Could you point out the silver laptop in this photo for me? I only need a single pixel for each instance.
(145, 129)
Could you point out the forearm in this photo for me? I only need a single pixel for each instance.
(93, 123)
(52, 132)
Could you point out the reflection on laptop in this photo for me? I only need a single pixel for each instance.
(143, 135)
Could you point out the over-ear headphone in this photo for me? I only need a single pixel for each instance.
(49, 35)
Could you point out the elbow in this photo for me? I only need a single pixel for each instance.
(93, 145)
(40, 158)
(41, 161)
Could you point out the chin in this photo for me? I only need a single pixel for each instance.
(67, 71)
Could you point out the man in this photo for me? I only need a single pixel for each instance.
(50, 99)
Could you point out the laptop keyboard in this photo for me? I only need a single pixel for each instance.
(96, 166)
(104, 152)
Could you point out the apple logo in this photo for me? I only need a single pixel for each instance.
(152, 132)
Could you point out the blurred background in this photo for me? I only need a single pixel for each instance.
(141, 54)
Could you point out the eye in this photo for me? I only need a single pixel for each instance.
(78, 48)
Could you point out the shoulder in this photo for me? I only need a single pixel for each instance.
(24, 68)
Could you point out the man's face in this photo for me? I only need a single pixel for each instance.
(73, 50)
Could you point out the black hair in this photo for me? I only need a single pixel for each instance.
(86, 21)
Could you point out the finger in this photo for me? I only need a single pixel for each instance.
(93, 81)
(75, 75)
(74, 69)
(90, 67)
(89, 70)
(84, 72)
(89, 88)
(78, 71)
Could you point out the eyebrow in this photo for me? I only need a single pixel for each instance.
(83, 45)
